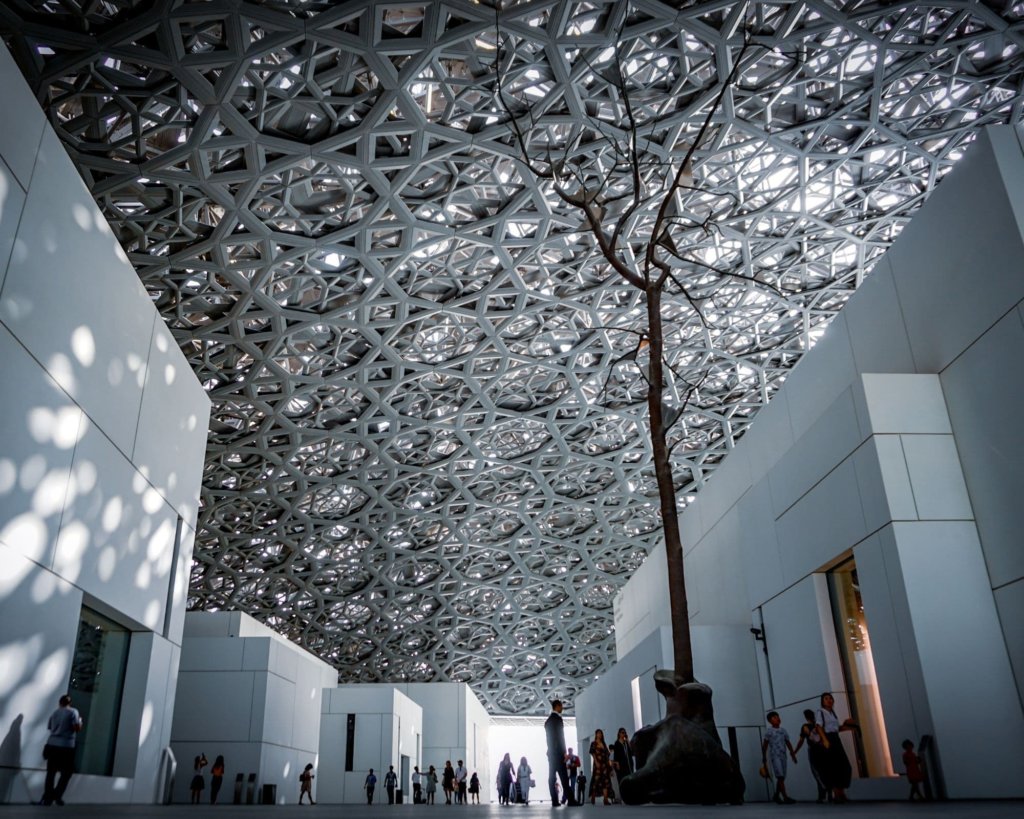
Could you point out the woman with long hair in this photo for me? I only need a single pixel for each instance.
(504, 781)
(600, 768)
(622, 760)
(523, 776)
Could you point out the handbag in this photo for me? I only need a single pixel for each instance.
(764, 772)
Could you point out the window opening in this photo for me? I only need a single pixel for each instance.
(870, 743)
(96, 686)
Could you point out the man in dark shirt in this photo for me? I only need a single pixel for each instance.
(390, 783)
(555, 731)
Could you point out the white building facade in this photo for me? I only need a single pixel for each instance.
(868, 524)
(103, 430)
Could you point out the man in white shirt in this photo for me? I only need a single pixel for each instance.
(461, 774)
(416, 786)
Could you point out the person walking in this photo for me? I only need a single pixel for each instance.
(773, 754)
(306, 783)
(622, 760)
(390, 783)
(216, 778)
(417, 784)
(524, 776)
(836, 770)
(431, 784)
(504, 780)
(915, 773)
(370, 785)
(461, 775)
(814, 736)
(600, 768)
(59, 752)
(572, 765)
(448, 781)
(554, 731)
(474, 789)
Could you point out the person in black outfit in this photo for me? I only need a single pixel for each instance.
(390, 783)
(622, 759)
(555, 731)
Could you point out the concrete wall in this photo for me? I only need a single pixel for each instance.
(455, 725)
(102, 440)
(388, 726)
(246, 692)
(895, 441)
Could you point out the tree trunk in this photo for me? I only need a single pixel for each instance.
(681, 648)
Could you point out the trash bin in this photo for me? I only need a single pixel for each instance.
(268, 795)
(398, 796)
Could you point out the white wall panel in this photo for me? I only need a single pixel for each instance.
(712, 569)
(1010, 606)
(179, 592)
(875, 324)
(883, 482)
(18, 144)
(175, 412)
(792, 627)
(969, 203)
(901, 403)
(720, 495)
(984, 390)
(770, 436)
(39, 427)
(825, 522)
(213, 706)
(761, 562)
(12, 200)
(936, 477)
(957, 630)
(67, 274)
(819, 379)
(829, 439)
(116, 538)
(213, 654)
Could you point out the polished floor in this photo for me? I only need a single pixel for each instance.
(754, 810)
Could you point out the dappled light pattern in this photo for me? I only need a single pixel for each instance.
(421, 463)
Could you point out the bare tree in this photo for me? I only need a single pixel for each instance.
(627, 165)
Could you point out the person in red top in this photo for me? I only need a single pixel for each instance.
(915, 775)
(572, 765)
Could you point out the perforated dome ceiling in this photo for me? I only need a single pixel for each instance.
(414, 468)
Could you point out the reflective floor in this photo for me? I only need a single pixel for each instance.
(756, 810)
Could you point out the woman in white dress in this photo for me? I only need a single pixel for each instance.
(523, 777)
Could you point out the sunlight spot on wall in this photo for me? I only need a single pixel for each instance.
(153, 614)
(16, 659)
(170, 373)
(115, 371)
(32, 472)
(74, 540)
(46, 586)
(63, 371)
(161, 546)
(8, 475)
(139, 483)
(113, 514)
(83, 345)
(151, 501)
(68, 428)
(52, 672)
(48, 499)
(147, 721)
(83, 218)
(83, 479)
(143, 575)
(28, 533)
(161, 343)
(192, 423)
(107, 563)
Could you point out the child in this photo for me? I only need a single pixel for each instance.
(581, 788)
(915, 775)
(198, 783)
(811, 732)
(474, 789)
(306, 778)
(776, 742)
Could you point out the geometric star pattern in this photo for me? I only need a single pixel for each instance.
(422, 464)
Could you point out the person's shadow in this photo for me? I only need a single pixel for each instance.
(10, 759)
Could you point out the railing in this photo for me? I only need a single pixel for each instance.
(166, 770)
